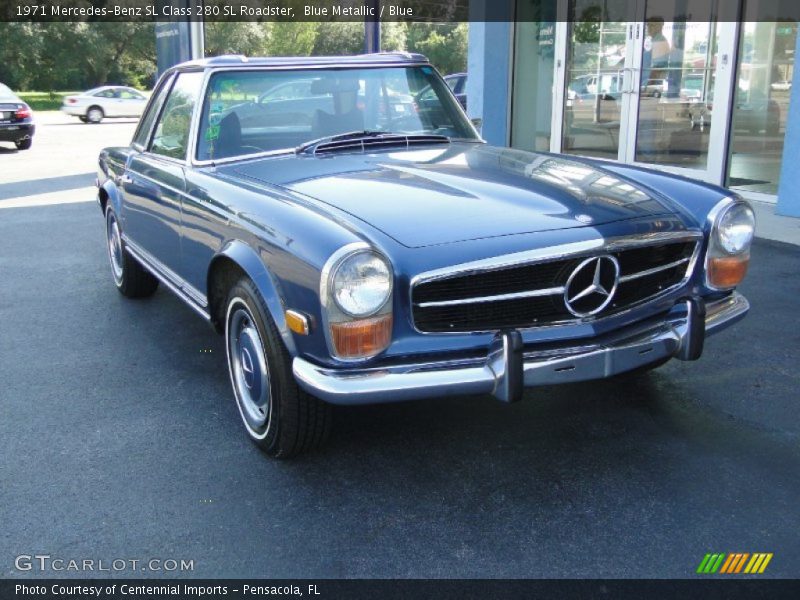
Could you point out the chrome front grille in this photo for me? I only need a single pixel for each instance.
(531, 294)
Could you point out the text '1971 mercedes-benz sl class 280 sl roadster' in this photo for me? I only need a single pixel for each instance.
(342, 223)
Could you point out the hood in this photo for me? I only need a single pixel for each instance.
(459, 192)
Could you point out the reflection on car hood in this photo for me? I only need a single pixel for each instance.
(462, 192)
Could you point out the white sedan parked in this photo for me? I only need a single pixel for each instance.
(105, 102)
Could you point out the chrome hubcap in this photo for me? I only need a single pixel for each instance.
(115, 249)
(94, 115)
(249, 370)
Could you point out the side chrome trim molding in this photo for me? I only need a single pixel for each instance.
(180, 287)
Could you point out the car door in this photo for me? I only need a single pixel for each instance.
(131, 103)
(154, 181)
(106, 100)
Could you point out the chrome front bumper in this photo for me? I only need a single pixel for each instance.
(507, 368)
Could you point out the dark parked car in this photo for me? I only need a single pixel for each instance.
(360, 257)
(16, 120)
(457, 82)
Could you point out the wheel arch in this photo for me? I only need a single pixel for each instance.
(235, 259)
(108, 193)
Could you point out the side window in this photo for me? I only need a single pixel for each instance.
(105, 94)
(129, 95)
(142, 133)
(172, 130)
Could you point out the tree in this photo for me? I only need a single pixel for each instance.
(248, 38)
(445, 45)
(291, 38)
(338, 38)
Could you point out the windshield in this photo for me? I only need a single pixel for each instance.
(247, 112)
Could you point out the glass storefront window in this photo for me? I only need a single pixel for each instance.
(532, 96)
(758, 121)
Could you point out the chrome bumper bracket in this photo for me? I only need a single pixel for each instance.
(506, 362)
(693, 340)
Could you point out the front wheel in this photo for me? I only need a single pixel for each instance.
(131, 278)
(279, 417)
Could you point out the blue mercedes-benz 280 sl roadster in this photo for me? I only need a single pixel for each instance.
(341, 222)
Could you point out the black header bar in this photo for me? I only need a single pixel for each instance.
(395, 10)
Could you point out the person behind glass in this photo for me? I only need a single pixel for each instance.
(346, 117)
(657, 50)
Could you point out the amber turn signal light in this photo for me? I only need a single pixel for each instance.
(727, 271)
(297, 322)
(361, 338)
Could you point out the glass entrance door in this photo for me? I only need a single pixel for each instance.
(598, 69)
(645, 92)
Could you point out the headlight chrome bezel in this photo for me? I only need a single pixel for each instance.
(717, 228)
(334, 315)
(332, 284)
(716, 250)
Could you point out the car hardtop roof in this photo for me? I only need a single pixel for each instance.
(359, 60)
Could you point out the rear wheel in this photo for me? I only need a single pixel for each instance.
(95, 114)
(279, 417)
(131, 278)
(84, 119)
(24, 144)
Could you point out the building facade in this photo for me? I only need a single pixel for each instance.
(712, 99)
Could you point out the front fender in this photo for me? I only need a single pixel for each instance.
(250, 262)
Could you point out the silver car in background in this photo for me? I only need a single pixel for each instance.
(105, 102)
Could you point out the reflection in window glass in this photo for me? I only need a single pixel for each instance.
(532, 96)
(172, 131)
(758, 125)
(676, 95)
(594, 89)
(143, 131)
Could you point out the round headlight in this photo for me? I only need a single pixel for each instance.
(735, 228)
(361, 284)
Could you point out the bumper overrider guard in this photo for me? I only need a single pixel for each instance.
(508, 369)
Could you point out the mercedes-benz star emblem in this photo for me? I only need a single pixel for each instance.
(591, 286)
(247, 367)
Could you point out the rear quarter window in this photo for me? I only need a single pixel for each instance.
(142, 134)
(171, 135)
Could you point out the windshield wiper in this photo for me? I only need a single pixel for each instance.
(350, 135)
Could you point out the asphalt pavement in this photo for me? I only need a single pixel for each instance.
(120, 439)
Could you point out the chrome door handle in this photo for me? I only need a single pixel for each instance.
(124, 180)
(627, 85)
